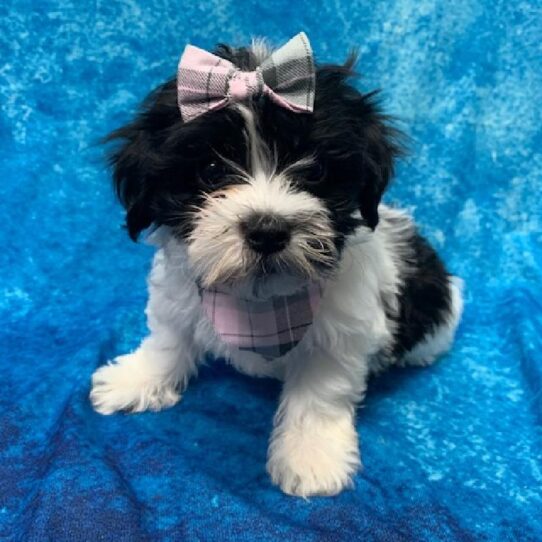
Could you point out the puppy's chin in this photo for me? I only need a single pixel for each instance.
(266, 286)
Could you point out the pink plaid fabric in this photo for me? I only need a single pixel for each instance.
(271, 328)
(206, 82)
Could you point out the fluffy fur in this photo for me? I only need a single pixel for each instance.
(387, 298)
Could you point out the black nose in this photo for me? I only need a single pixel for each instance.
(266, 233)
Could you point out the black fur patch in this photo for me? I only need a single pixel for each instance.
(424, 299)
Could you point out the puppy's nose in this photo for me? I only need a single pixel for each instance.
(266, 233)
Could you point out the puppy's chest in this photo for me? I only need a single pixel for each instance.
(270, 328)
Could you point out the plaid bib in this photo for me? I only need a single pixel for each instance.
(270, 328)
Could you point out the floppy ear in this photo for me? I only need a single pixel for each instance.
(380, 144)
(361, 138)
(138, 163)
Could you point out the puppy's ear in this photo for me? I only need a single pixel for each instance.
(362, 141)
(138, 161)
(380, 143)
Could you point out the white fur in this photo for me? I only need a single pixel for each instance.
(260, 49)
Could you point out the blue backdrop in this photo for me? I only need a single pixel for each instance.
(453, 452)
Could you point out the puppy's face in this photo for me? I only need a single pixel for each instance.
(254, 190)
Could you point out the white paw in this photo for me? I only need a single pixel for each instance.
(129, 383)
(315, 457)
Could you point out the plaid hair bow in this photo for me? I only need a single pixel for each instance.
(270, 328)
(206, 82)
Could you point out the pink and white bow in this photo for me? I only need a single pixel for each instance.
(206, 82)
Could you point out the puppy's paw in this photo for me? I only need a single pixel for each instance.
(315, 457)
(129, 383)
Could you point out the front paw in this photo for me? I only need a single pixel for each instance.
(314, 456)
(130, 384)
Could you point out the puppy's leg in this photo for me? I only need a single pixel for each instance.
(152, 377)
(314, 446)
(439, 338)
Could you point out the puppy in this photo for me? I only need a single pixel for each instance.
(259, 176)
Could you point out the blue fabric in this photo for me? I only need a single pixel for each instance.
(452, 452)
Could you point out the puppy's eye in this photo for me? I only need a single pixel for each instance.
(213, 173)
(315, 173)
(318, 171)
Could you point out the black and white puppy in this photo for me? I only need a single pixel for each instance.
(260, 201)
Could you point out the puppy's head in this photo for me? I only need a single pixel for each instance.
(255, 190)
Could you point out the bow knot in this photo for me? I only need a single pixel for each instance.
(245, 85)
(206, 82)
